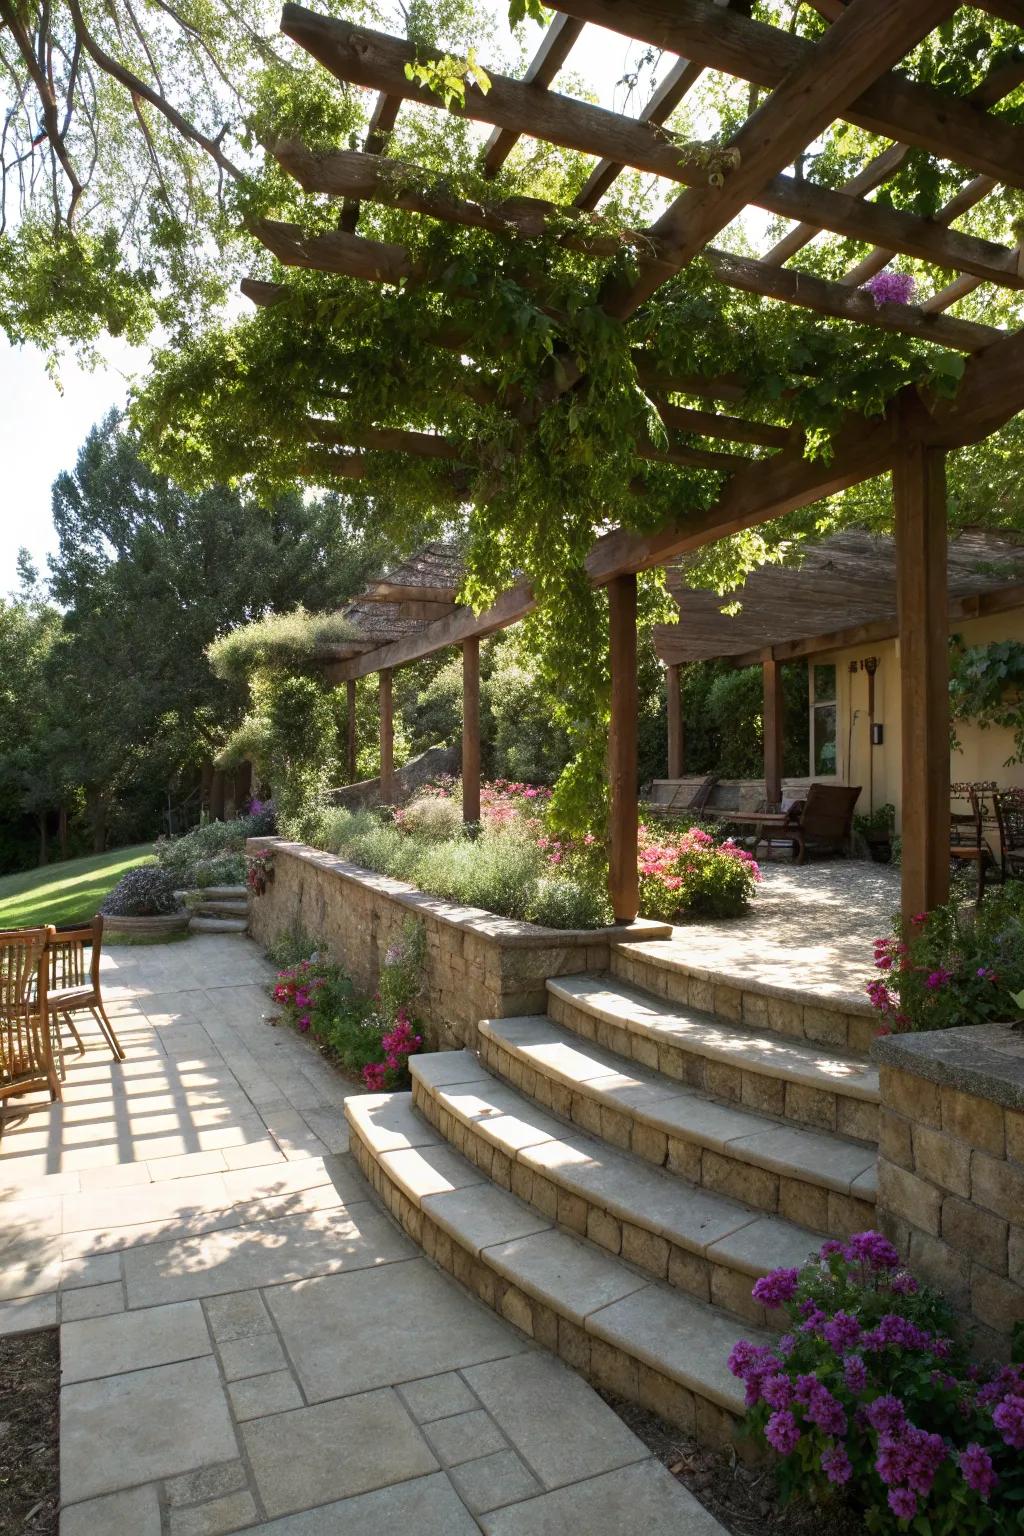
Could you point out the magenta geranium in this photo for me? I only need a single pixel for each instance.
(871, 1396)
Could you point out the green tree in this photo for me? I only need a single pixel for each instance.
(148, 577)
(30, 786)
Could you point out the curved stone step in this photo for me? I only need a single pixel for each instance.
(624, 1331)
(822, 1182)
(705, 1244)
(218, 925)
(670, 969)
(217, 908)
(225, 893)
(794, 1080)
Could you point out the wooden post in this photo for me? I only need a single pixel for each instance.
(919, 495)
(471, 730)
(351, 739)
(623, 883)
(387, 740)
(675, 721)
(771, 671)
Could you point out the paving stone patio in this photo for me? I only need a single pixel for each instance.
(809, 929)
(248, 1341)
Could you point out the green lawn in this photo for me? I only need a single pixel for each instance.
(68, 892)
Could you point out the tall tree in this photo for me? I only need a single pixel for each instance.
(147, 577)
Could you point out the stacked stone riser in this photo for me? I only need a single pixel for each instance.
(849, 1029)
(796, 1192)
(771, 1094)
(700, 1274)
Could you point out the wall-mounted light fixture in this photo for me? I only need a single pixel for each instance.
(877, 734)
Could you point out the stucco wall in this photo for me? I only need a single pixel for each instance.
(478, 966)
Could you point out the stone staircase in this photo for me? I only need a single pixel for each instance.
(221, 909)
(614, 1175)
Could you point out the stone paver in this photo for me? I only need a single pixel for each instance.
(248, 1340)
(810, 928)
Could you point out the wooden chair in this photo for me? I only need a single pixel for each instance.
(679, 805)
(1009, 808)
(26, 1054)
(967, 844)
(74, 985)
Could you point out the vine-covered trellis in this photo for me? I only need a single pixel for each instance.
(560, 370)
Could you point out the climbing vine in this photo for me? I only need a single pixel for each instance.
(986, 687)
(498, 340)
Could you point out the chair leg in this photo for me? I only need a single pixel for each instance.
(69, 1021)
(100, 1014)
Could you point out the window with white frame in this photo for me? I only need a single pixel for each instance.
(824, 721)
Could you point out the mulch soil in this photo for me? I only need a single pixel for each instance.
(29, 1423)
(744, 1498)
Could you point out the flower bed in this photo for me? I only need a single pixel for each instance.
(516, 866)
(869, 1397)
(954, 965)
(369, 1037)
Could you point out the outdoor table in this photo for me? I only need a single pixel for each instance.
(766, 824)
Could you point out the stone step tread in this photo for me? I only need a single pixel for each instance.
(225, 893)
(712, 1225)
(819, 1157)
(813, 1066)
(668, 1330)
(218, 925)
(221, 906)
(672, 955)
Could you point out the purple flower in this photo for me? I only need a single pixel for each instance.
(814, 1321)
(976, 1466)
(872, 1249)
(902, 1503)
(910, 1458)
(904, 1284)
(891, 287)
(939, 978)
(776, 1288)
(826, 1411)
(830, 1248)
(782, 1433)
(836, 1465)
(842, 1333)
(1008, 1417)
(855, 1374)
(786, 1345)
(777, 1390)
(886, 1414)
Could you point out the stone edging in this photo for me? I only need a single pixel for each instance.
(169, 922)
(982, 1059)
(509, 932)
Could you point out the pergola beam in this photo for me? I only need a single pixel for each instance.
(395, 184)
(819, 84)
(666, 97)
(828, 298)
(552, 53)
(891, 105)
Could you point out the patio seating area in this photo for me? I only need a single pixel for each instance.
(234, 1304)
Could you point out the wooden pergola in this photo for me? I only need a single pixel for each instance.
(850, 73)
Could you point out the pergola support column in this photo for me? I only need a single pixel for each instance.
(471, 730)
(623, 881)
(771, 672)
(387, 739)
(919, 495)
(673, 689)
(351, 737)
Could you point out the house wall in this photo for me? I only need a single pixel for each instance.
(982, 754)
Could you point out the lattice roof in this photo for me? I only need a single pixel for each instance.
(843, 589)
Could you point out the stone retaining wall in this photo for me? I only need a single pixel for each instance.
(951, 1168)
(478, 966)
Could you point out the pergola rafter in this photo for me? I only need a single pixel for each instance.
(851, 73)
